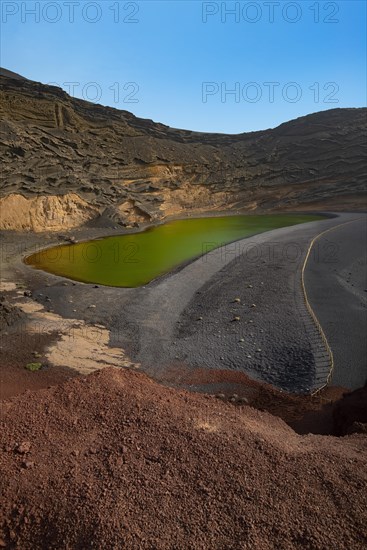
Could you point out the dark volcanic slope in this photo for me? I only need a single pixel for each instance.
(52, 144)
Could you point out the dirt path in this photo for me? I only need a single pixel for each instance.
(337, 289)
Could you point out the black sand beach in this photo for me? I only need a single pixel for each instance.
(241, 307)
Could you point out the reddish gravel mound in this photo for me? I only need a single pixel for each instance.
(117, 461)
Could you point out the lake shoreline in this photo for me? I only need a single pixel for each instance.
(135, 259)
(131, 314)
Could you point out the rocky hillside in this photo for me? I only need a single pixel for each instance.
(66, 162)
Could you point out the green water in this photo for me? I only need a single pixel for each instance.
(134, 259)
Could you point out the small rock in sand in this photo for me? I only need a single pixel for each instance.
(24, 447)
(243, 400)
(27, 464)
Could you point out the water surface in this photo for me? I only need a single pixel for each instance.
(134, 259)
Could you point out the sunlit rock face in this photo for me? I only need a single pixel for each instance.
(127, 169)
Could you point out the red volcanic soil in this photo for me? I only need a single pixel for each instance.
(116, 461)
(20, 348)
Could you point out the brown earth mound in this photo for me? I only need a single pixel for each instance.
(350, 413)
(116, 461)
(132, 170)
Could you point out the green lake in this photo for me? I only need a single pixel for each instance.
(135, 259)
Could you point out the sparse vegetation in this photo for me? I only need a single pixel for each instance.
(33, 367)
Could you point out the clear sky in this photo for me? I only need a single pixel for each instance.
(176, 62)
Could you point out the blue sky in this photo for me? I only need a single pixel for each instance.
(177, 61)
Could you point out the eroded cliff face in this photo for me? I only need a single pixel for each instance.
(110, 164)
(44, 213)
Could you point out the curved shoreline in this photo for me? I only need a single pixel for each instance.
(181, 240)
(155, 339)
(157, 325)
(150, 342)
